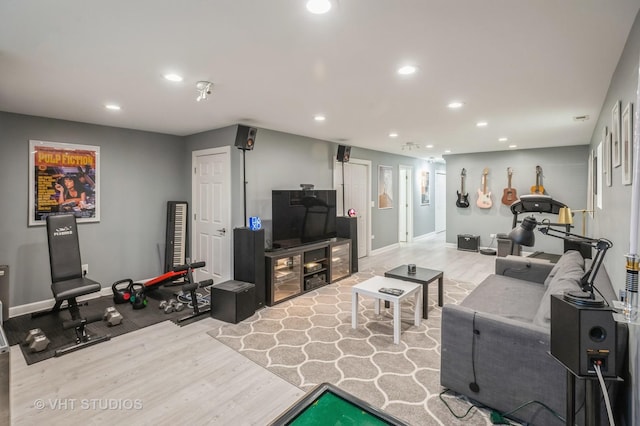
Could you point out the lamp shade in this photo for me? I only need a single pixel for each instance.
(523, 234)
(565, 217)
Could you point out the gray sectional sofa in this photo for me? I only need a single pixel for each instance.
(510, 311)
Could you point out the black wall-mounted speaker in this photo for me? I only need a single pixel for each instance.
(582, 336)
(246, 137)
(344, 152)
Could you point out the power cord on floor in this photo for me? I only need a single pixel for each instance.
(496, 417)
(457, 416)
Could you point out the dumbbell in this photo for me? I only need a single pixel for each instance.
(171, 305)
(112, 316)
(36, 340)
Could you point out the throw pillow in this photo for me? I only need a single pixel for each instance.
(569, 261)
(566, 279)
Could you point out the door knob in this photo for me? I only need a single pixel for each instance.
(222, 231)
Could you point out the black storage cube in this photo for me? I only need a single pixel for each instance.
(468, 242)
(233, 301)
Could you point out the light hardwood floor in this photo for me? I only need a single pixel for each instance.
(165, 374)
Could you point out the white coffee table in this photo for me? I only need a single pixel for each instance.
(370, 288)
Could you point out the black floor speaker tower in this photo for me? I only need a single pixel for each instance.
(248, 261)
(582, 336)
(347, 227)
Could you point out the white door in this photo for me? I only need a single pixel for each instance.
(211, 212)
(357, 188)
(440, 201)
(405, 227)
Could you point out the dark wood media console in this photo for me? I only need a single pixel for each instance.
(293, 271)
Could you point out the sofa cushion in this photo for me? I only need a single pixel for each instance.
(506, 297)
(569, 261)
(566, 279)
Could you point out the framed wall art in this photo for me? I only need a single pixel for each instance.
(607, 160)
(424, 188)
(590, 184)
(385, 187)
(63, 178)
(626, 144)
(599, 175)
(615, 135)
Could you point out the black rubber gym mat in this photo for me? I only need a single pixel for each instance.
(17, 328)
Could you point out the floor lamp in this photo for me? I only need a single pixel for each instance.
(565, 217)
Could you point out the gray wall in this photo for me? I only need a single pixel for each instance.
(284, 161)
(564, 179)
(139, 173)
(613, 220)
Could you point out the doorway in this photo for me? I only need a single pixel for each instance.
(440, 201)
(211, 212)
(405, 204)
(357, 195)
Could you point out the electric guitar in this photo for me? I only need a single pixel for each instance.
(484, 197)
(538, 188)
(463, 197)
(509, 194)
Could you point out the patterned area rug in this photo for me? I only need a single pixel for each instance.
(309, 340)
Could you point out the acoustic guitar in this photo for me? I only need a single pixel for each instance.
(484, 197)
(538, 188)
(463, 197)
(509, 195)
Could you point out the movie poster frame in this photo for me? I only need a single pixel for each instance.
(37, 217)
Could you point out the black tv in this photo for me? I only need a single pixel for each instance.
(302, 216)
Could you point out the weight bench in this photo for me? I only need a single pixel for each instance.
(67, 280)
(190, 287)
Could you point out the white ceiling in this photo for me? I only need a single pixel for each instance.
(527, 67)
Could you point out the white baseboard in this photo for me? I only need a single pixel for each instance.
(427, 236)
(44, 305)
(385, 249)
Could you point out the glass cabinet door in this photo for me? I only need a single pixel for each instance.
(287, 277)
(340, 261)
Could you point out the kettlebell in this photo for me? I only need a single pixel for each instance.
(138, 298)
(122, 294)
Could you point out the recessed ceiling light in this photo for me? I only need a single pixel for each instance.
(482, 124)
(407, 70)
(319, 117)
(112, 107)
(393, 135)
(513, 146)
(455, 105)
(318, 6)
(429, 146)
(447, 151)
(503, 140)
(173, 77)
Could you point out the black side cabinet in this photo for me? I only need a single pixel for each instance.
(347, 227)
(248, 261)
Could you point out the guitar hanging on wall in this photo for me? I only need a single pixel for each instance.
(484, 197)
(538, 188)
(509, 195)
(463, 197)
